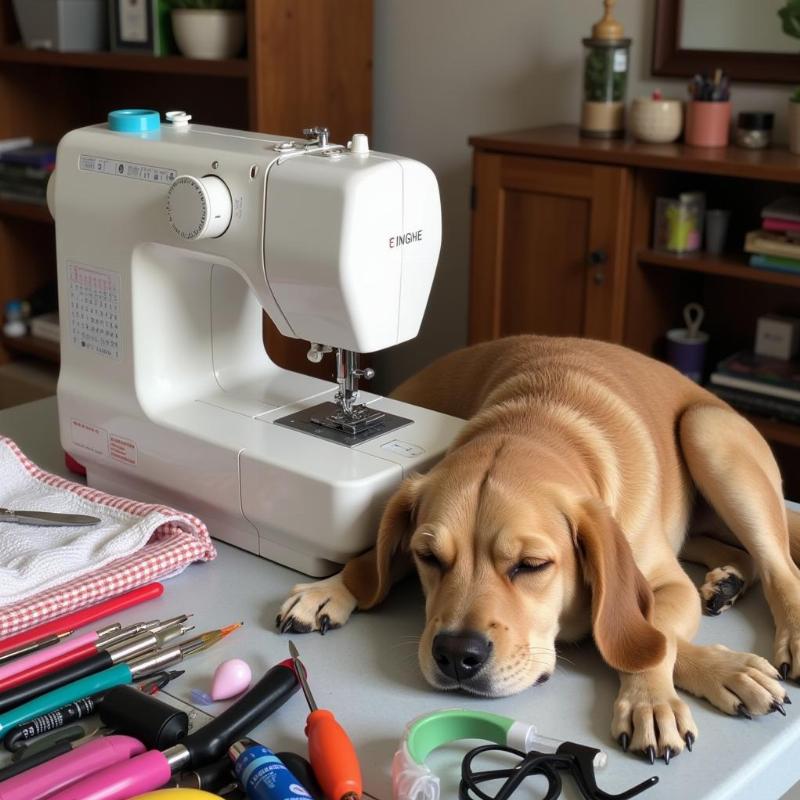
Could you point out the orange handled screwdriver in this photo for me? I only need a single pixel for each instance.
(333, 757)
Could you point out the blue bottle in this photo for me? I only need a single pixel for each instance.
(262, 774)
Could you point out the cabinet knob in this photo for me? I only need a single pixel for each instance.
(596, 259)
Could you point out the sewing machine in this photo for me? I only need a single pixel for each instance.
(171, 239)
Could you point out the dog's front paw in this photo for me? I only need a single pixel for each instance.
(723, 587)
(741, 684)
(318, 606)
(652, 719)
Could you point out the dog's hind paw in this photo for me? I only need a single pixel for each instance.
(320, 606)
(723, 587)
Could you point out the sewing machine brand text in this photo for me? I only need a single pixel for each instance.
(405, 238)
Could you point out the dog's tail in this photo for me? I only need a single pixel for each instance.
(794, 534)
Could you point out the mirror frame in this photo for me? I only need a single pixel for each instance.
(670, 60)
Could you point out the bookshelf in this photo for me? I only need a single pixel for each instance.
(305, 63)
(562, 233)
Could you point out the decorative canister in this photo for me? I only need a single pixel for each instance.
(605, 76)
(754, 129)
(656, 120)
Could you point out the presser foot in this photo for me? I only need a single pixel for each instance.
(329, 421)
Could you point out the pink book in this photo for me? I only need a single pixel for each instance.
(775, 224)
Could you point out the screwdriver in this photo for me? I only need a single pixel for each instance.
(332, 754)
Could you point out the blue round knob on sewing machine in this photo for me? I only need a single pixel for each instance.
(134, 120)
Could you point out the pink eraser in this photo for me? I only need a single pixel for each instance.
(231, 677)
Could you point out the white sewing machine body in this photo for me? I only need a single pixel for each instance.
(165, 392)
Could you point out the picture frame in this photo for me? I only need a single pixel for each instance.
(140, 26)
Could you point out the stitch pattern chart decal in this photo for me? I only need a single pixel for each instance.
(94, 309)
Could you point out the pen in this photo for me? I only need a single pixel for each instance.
(120, 651)
(37, 644)
(79, 649)
(85, 616)
(116, 675)
(42, 781)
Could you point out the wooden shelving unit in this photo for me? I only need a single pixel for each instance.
(306, 63)
(124, 62)
(43, 349)
(726, 266)
(22, 210)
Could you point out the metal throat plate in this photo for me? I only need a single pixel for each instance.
(321, 421)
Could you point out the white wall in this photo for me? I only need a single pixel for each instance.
(446, 69)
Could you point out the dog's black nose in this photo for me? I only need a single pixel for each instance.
(461, 655)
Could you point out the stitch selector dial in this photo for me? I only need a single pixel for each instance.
(199, 208)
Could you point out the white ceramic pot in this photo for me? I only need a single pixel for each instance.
(794, 127)
(208, 33)
(655, 121)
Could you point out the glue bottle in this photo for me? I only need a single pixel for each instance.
(262, 774)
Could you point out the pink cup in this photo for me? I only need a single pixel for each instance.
(708, 123)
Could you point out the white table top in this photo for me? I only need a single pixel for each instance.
(367, 673)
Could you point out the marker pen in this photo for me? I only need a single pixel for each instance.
(262, 774)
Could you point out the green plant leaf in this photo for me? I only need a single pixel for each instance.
(790, 18)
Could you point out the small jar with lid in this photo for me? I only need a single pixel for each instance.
(754, 129)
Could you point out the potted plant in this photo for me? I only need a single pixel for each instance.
(790, 20)
(208, 28)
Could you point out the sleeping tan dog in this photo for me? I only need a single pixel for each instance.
(559, 510)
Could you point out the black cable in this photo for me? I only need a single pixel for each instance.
(576, 759)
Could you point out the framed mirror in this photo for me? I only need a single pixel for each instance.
(743, 37)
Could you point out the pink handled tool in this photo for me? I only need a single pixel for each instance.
(121, 781)
(58, 774)
(46, 654)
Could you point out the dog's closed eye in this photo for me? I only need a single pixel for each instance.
(429, 558)
(527, 566)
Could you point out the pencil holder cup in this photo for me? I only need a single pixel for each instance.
(686, 347)
(708, 123)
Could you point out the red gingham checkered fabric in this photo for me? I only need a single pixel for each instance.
(171, 547)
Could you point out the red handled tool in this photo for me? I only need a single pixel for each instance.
(332, 754)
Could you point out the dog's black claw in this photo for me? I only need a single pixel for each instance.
(787, 700)
(651, 754)
(278, 621)
(292, 625)
(776, 706)
(624, 741)
(667, 755)
(689, 739)
(784, 670)
(324, 624)
(743, 712)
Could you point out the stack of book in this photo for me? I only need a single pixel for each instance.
(776, 246)
(24, 172)
(769, 387)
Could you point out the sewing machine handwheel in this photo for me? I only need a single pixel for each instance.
(199, 208)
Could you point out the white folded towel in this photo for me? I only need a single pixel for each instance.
(34, 559)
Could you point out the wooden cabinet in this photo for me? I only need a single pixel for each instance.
(548, 247)
(562, 244)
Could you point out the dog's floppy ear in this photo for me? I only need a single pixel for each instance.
(622, 602)
(370, 576)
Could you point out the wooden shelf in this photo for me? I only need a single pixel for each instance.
(22, 210)
(127, 62)
(776, 431)
(565, 142)
(728, 266)
(33, 346)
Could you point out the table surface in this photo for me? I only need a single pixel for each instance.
(367, 673)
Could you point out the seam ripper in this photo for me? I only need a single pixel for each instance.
(154, 768)
(330, 750)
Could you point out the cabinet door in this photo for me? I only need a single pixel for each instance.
(549, 247)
